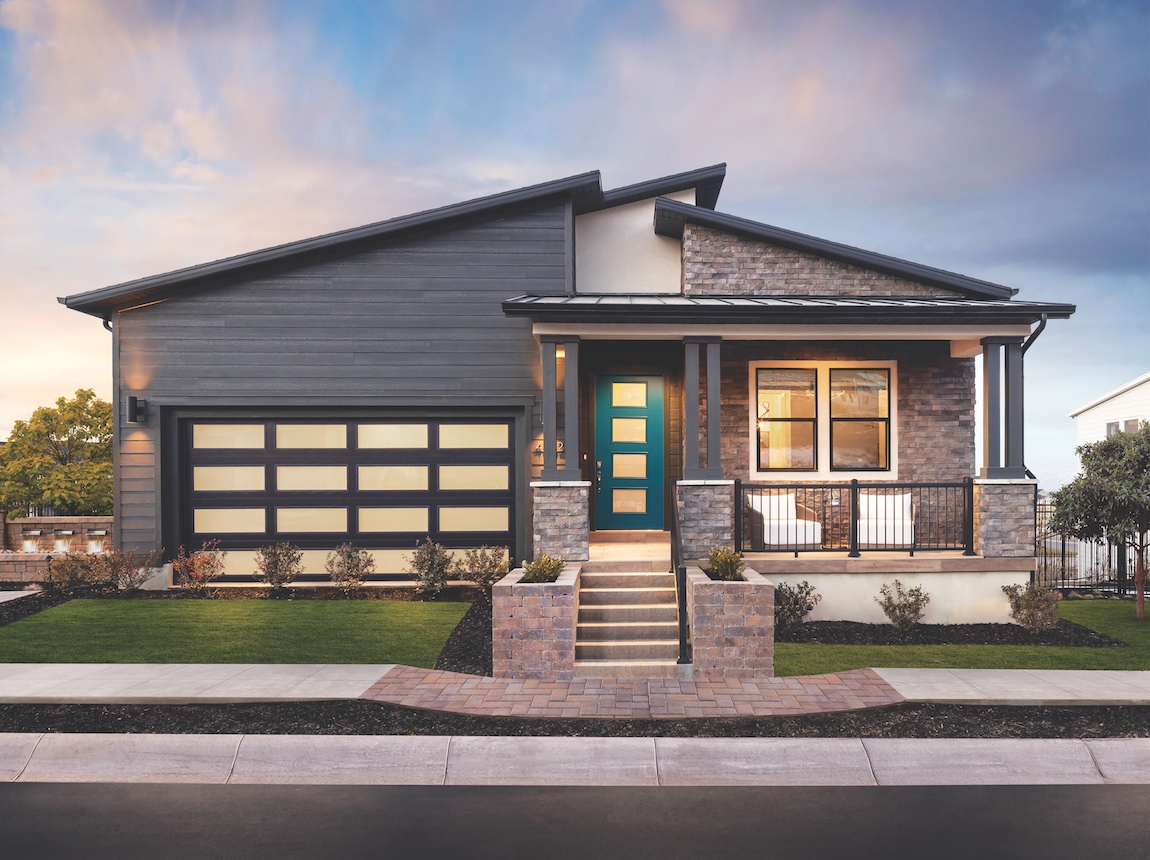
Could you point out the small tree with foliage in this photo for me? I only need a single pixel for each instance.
(347, 566)
(198, 569)
(278, 565)
(484, 566)
(1110, 499)
(904, 608)
(430, 565)
(60, 457)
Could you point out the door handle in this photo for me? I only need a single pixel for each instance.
(598, 476)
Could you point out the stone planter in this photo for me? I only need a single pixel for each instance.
(732, 626)
(533, 626)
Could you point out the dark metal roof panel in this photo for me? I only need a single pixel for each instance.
(671, 216)
(706, 181)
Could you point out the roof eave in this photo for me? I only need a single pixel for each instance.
(671, 216)
(707, 182)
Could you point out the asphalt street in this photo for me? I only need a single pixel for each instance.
(94, 821)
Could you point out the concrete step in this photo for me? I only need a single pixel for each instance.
(635, 613)
(639, 649)
(625, 566)
(605, 596)
(616, 631)
(627, 579)
(632, 669)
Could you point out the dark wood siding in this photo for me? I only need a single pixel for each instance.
(411, 324)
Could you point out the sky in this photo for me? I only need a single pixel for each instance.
(1007, 140)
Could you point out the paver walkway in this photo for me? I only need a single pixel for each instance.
(658, 698)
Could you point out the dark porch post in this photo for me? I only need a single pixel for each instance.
(992, 408)
(551, 471)
(714, 408)
(691, 470)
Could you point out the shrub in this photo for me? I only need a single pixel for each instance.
(347, 566)
(794, 603)
(904, 609)
(278, 565)
(1034, 608)
(195, 570)
(96, 573)
(546, 568)
(430, 564)
(725, 564)
(484, 566)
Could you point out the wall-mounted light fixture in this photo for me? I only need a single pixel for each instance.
(137, 410)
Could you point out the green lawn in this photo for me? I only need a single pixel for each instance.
(1114, 618)
(232, 631)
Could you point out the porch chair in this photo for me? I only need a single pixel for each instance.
(886, 521)
(782, 526)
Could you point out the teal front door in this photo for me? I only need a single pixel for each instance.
(628, 452)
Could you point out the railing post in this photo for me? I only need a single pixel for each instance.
(738, 515)
(681, 592)
(854, 535)
(968, 518)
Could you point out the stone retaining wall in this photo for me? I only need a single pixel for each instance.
(81, 527)
(732, 626)
(533, 626)
(706, 516)
(1004, 512)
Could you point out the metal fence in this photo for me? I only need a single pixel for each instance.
(1067, 563)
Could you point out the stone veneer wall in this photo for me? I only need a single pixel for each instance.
(706, 516)
(936, 406)
(533, 627)
(48, 526)
(561, 519)
(1004, 518)
(732, 626)
(717, 263)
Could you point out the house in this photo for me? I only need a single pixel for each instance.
(1118, 411)
(542, 367)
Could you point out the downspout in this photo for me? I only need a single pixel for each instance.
(1030, 340)
(108, 323)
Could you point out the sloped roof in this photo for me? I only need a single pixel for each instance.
(671, 216)
(797, 310)
(1110, 395)
(584, 190)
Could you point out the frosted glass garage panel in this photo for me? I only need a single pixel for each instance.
(474, 519)
(229, 521)
(393, 477)
(227, 478)
(326, 520)
(311, 477)
(311, 436)
(474, 477)
(392, 435)
(207, 436)
(393, 520)
(473, 436)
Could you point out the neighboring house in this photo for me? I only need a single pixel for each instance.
(545, 363)
(1119, 411)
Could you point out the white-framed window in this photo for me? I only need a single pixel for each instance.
(823, 419)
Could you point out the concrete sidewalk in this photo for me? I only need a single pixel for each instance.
(430, 760)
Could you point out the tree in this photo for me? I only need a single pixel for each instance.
(60, 457)
(1111, 498)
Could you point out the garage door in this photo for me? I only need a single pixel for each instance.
(380, 485)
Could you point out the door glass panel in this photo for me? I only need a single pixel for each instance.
(393, 477)
(629, 394)
(393, 520)
(473, 436)
(473, 477)
(629, 465)
(311, 436)
(629, 501)
(228, 521)
(311, 477)
(628, 429)
(227, 435)
(311, 519)
(392, 435)
(473, 519)
(227, 478)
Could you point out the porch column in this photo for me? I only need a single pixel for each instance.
(995, 403)
(692, 406)
(554, 348)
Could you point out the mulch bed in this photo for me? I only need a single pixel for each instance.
(468, 649)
